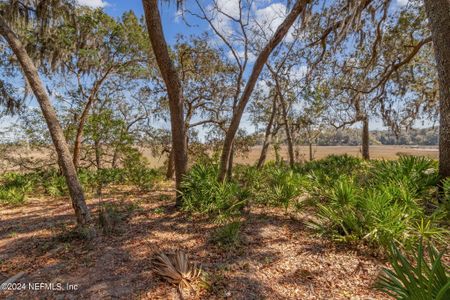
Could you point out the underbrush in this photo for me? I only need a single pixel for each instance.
(274, 184)
(375, 203)
(389, 201)
(422, 276)
(203, 194)
(15, 187)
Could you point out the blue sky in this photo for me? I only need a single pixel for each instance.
(174, 26)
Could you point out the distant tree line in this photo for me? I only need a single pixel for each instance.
(352, 137)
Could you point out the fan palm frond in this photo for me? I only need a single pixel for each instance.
(176, 269)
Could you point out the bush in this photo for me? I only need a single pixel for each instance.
(228, 235)
(417, 280)
(417, 174)
(14, 187)
(273, 184)
(54, 183)
(353, 211)
(138, 174)
(203, 194)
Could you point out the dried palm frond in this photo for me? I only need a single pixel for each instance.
(176, 269)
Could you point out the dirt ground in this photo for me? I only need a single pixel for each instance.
(279, 257)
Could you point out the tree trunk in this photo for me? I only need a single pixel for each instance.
(56, 132)
(267, 135)
(438, 12)
(170, 167)
(230, 164)
(365, 139)
(287, 128)
(256, 71)
(173, 85)
(311, 158)
(79, 135)
(98, 164)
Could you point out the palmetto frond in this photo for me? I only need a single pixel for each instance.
(176, 269)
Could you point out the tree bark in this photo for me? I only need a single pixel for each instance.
(174, 91)
(230, 164)
(256, 71)
(79, 134)
(56, 132)
(170, 167)
(287, 128)
(438, 12)
(365, 139)
(267, 135)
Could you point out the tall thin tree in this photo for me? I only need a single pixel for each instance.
(174, 90)
(64, 157)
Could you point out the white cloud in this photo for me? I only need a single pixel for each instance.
(229, 7)
(298, 72)
(270, 17)
(402, 2)
(93, 3)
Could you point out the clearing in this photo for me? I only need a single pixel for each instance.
(279, 257)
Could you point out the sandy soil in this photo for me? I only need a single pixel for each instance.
(280, 258)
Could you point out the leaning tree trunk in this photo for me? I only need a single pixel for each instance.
(267, 135)
(173, 85)
(438, 12)
(56, 132)
(365, 139)
(256, 71)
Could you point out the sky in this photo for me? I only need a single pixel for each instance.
(267, 12)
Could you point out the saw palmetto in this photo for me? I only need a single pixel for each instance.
(176, 269)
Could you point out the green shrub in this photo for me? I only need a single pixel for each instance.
(54, 184)
(138, 174)
(417, 174)
(351, 211)
(282, 188)
(274, 184)
(203, 194)
(416, 280)
(228, 235)
(446, 187)
(14, 187)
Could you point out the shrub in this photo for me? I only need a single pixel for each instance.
(351, 211)
(138, 174)
(54, 184)
(273, 184)
(202, 193)
(415, 280)
(418, 174)
(228, 235)
(323, 173)
(14, 187)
